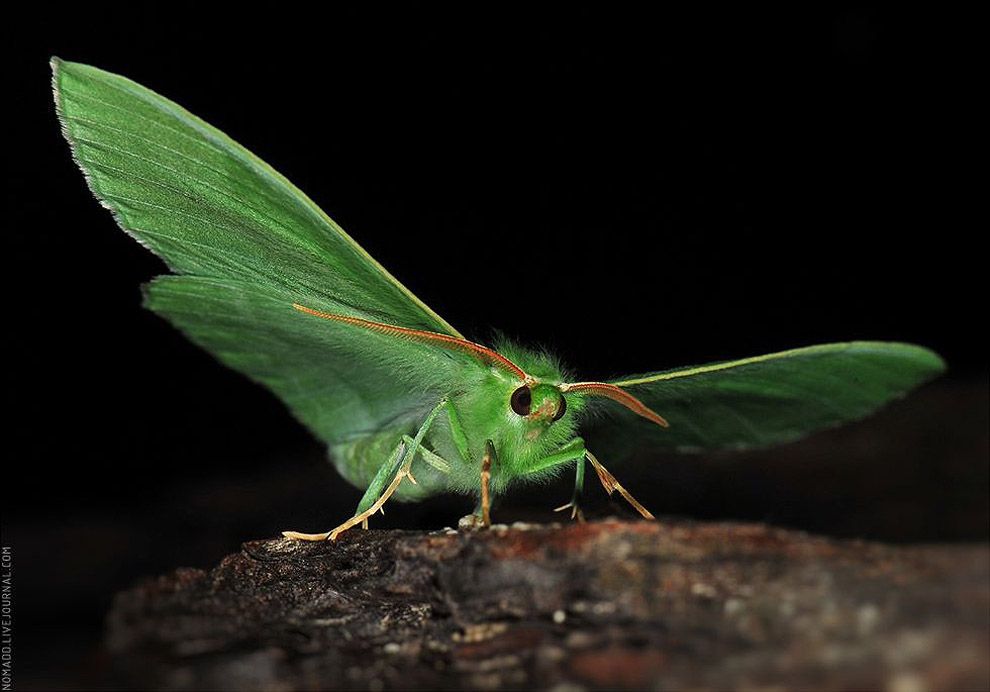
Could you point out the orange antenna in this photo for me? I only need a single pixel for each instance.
(619, 395)
(451, 343)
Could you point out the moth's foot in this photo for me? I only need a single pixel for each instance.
(296, 536)
(471, 522)
(329, 535)
(576, 512)
(361, 518)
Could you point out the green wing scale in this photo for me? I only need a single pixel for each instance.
(775, 398)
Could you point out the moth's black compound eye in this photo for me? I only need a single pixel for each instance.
(521, 401)
(560, 409)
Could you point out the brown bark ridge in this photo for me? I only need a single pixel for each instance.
(628, 605)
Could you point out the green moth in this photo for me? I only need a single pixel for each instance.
(408, 407)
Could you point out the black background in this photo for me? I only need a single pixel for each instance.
(635, 192)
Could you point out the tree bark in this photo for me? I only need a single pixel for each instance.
(583, 606)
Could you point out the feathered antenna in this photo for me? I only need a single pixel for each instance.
(617, 394)
(451, 343)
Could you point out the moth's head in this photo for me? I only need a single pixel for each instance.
(540, 394)
(539, 405)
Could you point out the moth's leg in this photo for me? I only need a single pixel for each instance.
(572, 451)
(371, 495)
(575, 503)
(378, 483)
(482, 514)
(486, 478)
(388, 469)
(611, 485)
(399, 458)
(457, 432)
(430, 457)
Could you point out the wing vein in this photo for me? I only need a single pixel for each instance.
(285, 231)
(191, 159)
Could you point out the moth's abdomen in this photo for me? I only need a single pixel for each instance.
(359, 460)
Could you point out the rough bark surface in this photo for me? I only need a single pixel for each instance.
(584, 606)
